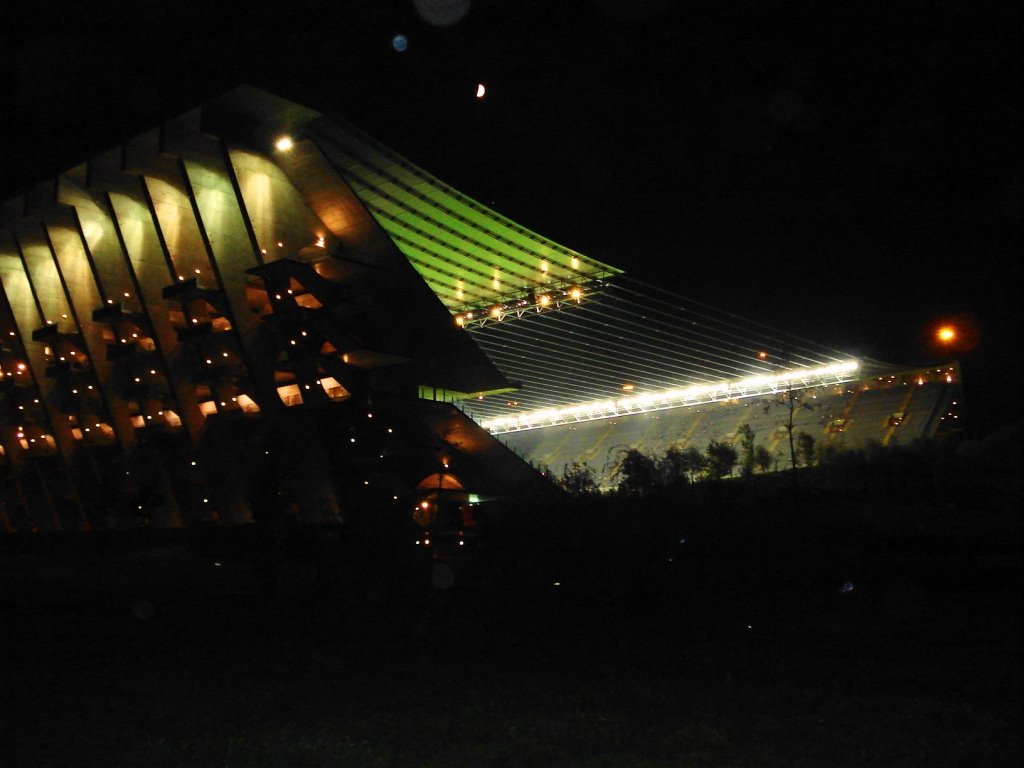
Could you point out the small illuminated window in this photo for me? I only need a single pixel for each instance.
(290, 394)
(307, 300)
(247, 404)
(208, 407)
(333, 388)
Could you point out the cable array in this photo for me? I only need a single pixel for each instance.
(631, 339)
(628, 339)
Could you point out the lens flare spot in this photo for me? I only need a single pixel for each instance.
(442, 13)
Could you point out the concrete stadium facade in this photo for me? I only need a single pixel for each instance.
(207, 324)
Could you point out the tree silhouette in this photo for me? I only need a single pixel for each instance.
(578, 479)
(746, 435)
(805, 446)
(722, 459)
(763, 458)
(636, 472)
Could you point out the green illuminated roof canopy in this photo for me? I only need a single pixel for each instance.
(472, 257)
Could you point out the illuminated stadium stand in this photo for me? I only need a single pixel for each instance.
(846, 416)
(256, 279)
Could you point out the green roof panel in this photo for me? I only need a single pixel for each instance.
(470, 255)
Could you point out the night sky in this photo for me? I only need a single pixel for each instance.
(848, 172)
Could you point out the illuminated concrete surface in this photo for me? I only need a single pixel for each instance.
(178, 310)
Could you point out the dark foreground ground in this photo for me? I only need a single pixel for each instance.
(873, 652)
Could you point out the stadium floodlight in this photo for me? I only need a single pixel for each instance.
(735, 389)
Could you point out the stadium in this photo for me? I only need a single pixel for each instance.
(254, 310)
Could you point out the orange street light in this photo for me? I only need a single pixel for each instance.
(954, 334)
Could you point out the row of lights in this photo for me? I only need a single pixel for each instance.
(498, 311)
(666, 398)
(544, 267)
(320, 242)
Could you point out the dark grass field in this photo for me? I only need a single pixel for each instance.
(737, 653)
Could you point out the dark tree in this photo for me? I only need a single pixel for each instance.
(746, 435)
(673, 467)
(805, 447)
(722, 459)
(636, 472)
(694, 462)
(791, 401)
(763, 458)
(578, 479)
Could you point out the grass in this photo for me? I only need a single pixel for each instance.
(724, 660)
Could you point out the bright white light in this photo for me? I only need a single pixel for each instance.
(481, 91)
(284, 143)
(674, 398)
